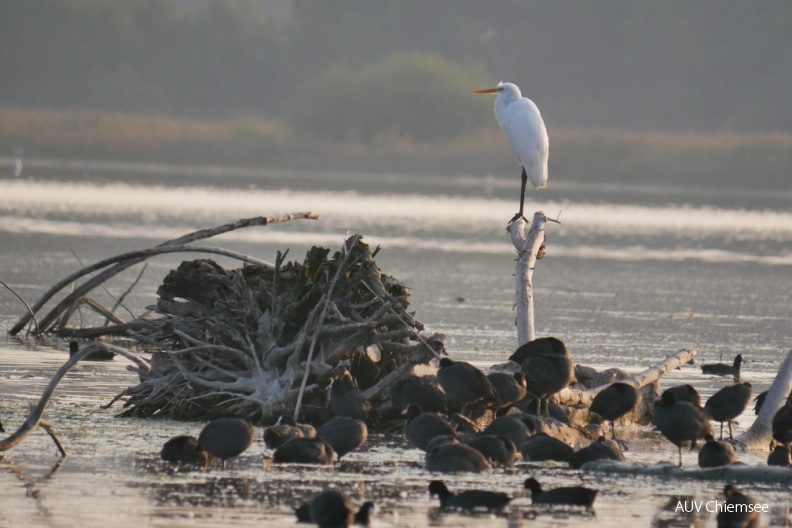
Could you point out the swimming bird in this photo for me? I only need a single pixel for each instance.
(499, 450)
(510, 388)
(305, 451)
(455, 458)
(541, 447)
(183, 449)
(347, 402)
(344, 434)
(225, 438)
(543, 346)
(569, 495)
(780, 456)
(715, 453)
(332, 509)
(468, 500)
(465, 386)
(418, 391)
(546, 375)
(728, 403)
(284, 430)
(600, 449)
(680, 422)
(722, 369)
(615, 401)
(98, 355)
(739, 510)
(421, 427)
(520, 120)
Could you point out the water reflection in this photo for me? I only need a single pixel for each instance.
(679, 512)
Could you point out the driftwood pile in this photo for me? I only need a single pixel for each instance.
(238, 342)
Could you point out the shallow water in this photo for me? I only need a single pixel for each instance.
(631, 276)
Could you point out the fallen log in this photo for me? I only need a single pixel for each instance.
(758, 436)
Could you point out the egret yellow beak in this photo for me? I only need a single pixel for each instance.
(488, 90)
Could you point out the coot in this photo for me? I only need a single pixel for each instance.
(183, 449)
(722, 369)
(714, 453)
(456, 458)
(728, 403)
(782, 424)
(739, 510)
(600, 449)
(541, 447)
(510, 388)
(465, 386)
(499, 450)
(686, 393)
(331, 509)
(304, 451)
(543, 346)
(468, 500)
(417, 391)
(344, 434)
(615, 401)
(225, 438)
(569, 495)
(421, 427)
(680, 422)
(347, 402)
(284, 430)
(513, 427)
(780, 456)
(546, 375)
(99, 355)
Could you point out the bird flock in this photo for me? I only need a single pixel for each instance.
(445, 417)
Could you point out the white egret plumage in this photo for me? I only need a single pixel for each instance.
(520, 120)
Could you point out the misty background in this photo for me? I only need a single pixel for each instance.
(704, 66)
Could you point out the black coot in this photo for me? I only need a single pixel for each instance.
(760, 398)
(739, 510)
(541, 447)
(513, 427)
(686, 393)
(728, 403)
(510, 388)
(530, 404)
(546, 375)
(714, 453)
(544, 346)
(780, 456)
(417, 391)
(571, 495)
(2, 430)
(304, 451)
(499, 450)
(225, 438)
(468, 500)
(782, 424)
(722, 369)
(331, 509)
(465, 386)
(284, 430)
(99, 355)
(344, 434)
(421, 427)
(183, 449)
(345, 401)
(456, 458)
(615, 401)
(600, 449)
(680, 422)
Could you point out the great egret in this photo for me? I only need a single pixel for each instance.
(520, 120)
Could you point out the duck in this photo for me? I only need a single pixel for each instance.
(715, 453)
(284, 430)
(332, 509)
(465, 386)
(543, 346)
(541, 447)
(418, 391)
(343, 434)
(780, 456)
(98, 355)
(421, 427)
(546, 375)
(510, 388)
(183, 449)
(614, 401)
(455, 458)
(499, 450)
(728, 403)
(722, 369)
(569, 495)
(344, 401)
(738, 517)
(226, 438)
(600, 449)
(302, 450)
(468, 500)
(680, 422)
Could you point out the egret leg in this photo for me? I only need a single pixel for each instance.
(524, 177)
